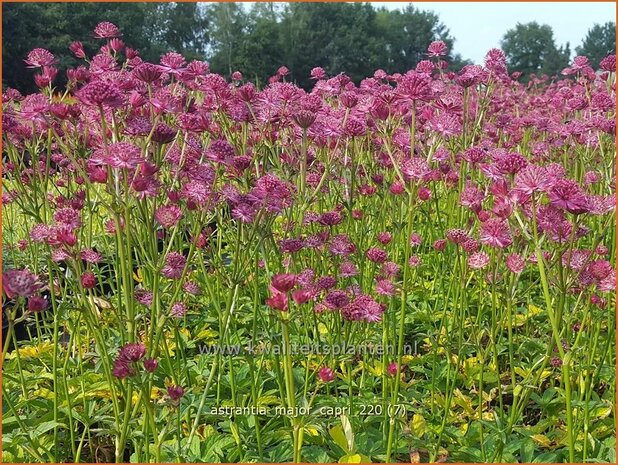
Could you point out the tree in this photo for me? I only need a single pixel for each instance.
(262, 51)
(407, 34)
(228, 33)
(599, 42)
(530, 48)
(152, 28)
(183, 28)
(339, 37)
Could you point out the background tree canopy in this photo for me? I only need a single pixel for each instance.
(354, 38)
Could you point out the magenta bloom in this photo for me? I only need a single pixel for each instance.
(147, 72)
(384, 237)
(37, 304)
(123, 155)
(125, 363)
(168, 216)
(318, 73)
(567, 194)
(178, 310)
(283, 282)
(39, 58)
(88, 280)
(496, 233)
(132, 352)
(326, 375)
(392, 368)
(385, 287)
(90, 256)
(336, 299)
(330, 218)
(347, 269)
(99, 93)
(20, 283)
(301, 296)
(478, 260)
(150, 364)
(175, 393)
(106, 30)
(363, 308)
(515, 263)
(376, 255)
(437, 49)
(174, 265)
(277, 300)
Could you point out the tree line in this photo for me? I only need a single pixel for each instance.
(355, 38)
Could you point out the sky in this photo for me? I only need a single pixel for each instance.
(478, 27)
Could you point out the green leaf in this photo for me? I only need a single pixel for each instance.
(418, 425)
(527, 451)
(354, 458)
(336, 432)
(47, 426)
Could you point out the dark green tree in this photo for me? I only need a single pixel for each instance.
(407, 34)
(182, 27)
(599, 42)
(262, 51)
(227, 35)
(152, 28)
(530, 48)
(340, 37)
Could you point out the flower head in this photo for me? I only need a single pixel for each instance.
(106, 30)
(39, 58)
(20, 283)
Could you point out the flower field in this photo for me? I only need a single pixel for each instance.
(415, 268)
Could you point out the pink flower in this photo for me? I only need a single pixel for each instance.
(363, 308)
(283, 282)
(277, 300)
(318, 73)
(385, 287)
(88, 280)
(515, 263)
(496, 233)
(99, 93)
(168, 215)
(437, 49)
(347, 269)
(392, 368)
(174, 265)
(376, 255)
(147, 72)
(326, 375)
(414, 261)
(178, 310)
(567, 194)
(150, 365)
(37, 304)
(384, 237)
(175, 393)
(125, 363)
(301, 296)
(90, 256)
(478, 260)
(39, 58)
(78, 49)
(20, 283)
(106, 30)
(336, 299)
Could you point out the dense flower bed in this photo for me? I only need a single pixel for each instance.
(418, 267)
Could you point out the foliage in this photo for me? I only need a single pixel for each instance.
(599, 42)
(530, 48)
(416, 267)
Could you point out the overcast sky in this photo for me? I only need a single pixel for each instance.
(477, 27)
